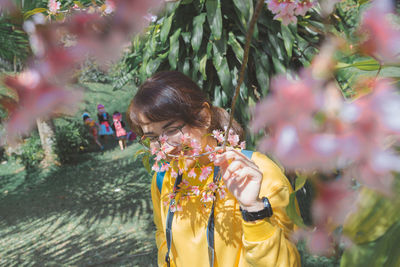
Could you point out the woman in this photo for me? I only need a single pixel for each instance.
(237, 230)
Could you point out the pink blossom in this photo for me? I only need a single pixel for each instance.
(184, 138)
(217, 134)
(37, 97)
(319, 240)
(173, 207)
(192, 173)
(8, 5)
(154, 150)
(283, 10)
(110, 6)
(287, 10)
(54, 6)
(178, 207)
(165, 167)
(233, 139)
(222, 193)
(160, 155)
(195, 146)
(155, 167)
(242, 145)
(163, 139)
(333, 203)
(184, 183)
(208, 148)
(205, 172)
(195, 190)
(207, 197)
(212, 157)
(381, 37)
(303, 7)
(174, 174)
(212, 186)
(293, 101)
(273, 5)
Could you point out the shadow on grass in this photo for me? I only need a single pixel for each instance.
(95, 213)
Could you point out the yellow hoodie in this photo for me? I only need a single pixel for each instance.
(237, 243)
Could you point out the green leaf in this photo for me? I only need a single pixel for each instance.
(214, 17)
(288, 39)
(146, 142)
(197, 35)
(291, 210)
(209, 49)
(300, 181)
(166, 27)
(202, 67)
(146, 163)
(374, 216)
(140, 152)
(79, 4)
(33, 12)
(244, 10)
(170, 7)
(224, 76)
(186, 66)
(236, 47)
(174, 49)
(262, 76)
(219, 46)
(152, 66)
(278, 66)
(367, 65)
(362, 2)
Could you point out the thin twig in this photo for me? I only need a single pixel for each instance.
(249, 35)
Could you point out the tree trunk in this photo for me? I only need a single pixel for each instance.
(46, 131)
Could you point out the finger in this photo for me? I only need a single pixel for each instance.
(238, 179)
(245, 173)
(229, 156)
(234, 166)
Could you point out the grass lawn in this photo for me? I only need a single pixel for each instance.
(94, 213)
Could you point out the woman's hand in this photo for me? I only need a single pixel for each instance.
(242, 178)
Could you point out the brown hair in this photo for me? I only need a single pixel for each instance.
(172, 95)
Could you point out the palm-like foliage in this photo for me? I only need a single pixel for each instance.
(14, 45)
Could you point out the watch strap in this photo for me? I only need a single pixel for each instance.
(266, 212)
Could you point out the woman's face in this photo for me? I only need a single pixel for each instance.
(174, 130)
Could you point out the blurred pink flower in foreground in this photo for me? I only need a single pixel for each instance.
(381, 39)
(311, 129)
(110, 6)
(54, 63)
(305, 135)
(37, 98)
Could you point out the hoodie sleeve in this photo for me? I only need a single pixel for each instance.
(266, 242)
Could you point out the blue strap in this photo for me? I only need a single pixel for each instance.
(170, 217)
(247, 153)
(159, 180)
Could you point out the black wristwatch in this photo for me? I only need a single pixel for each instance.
(258, 215)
